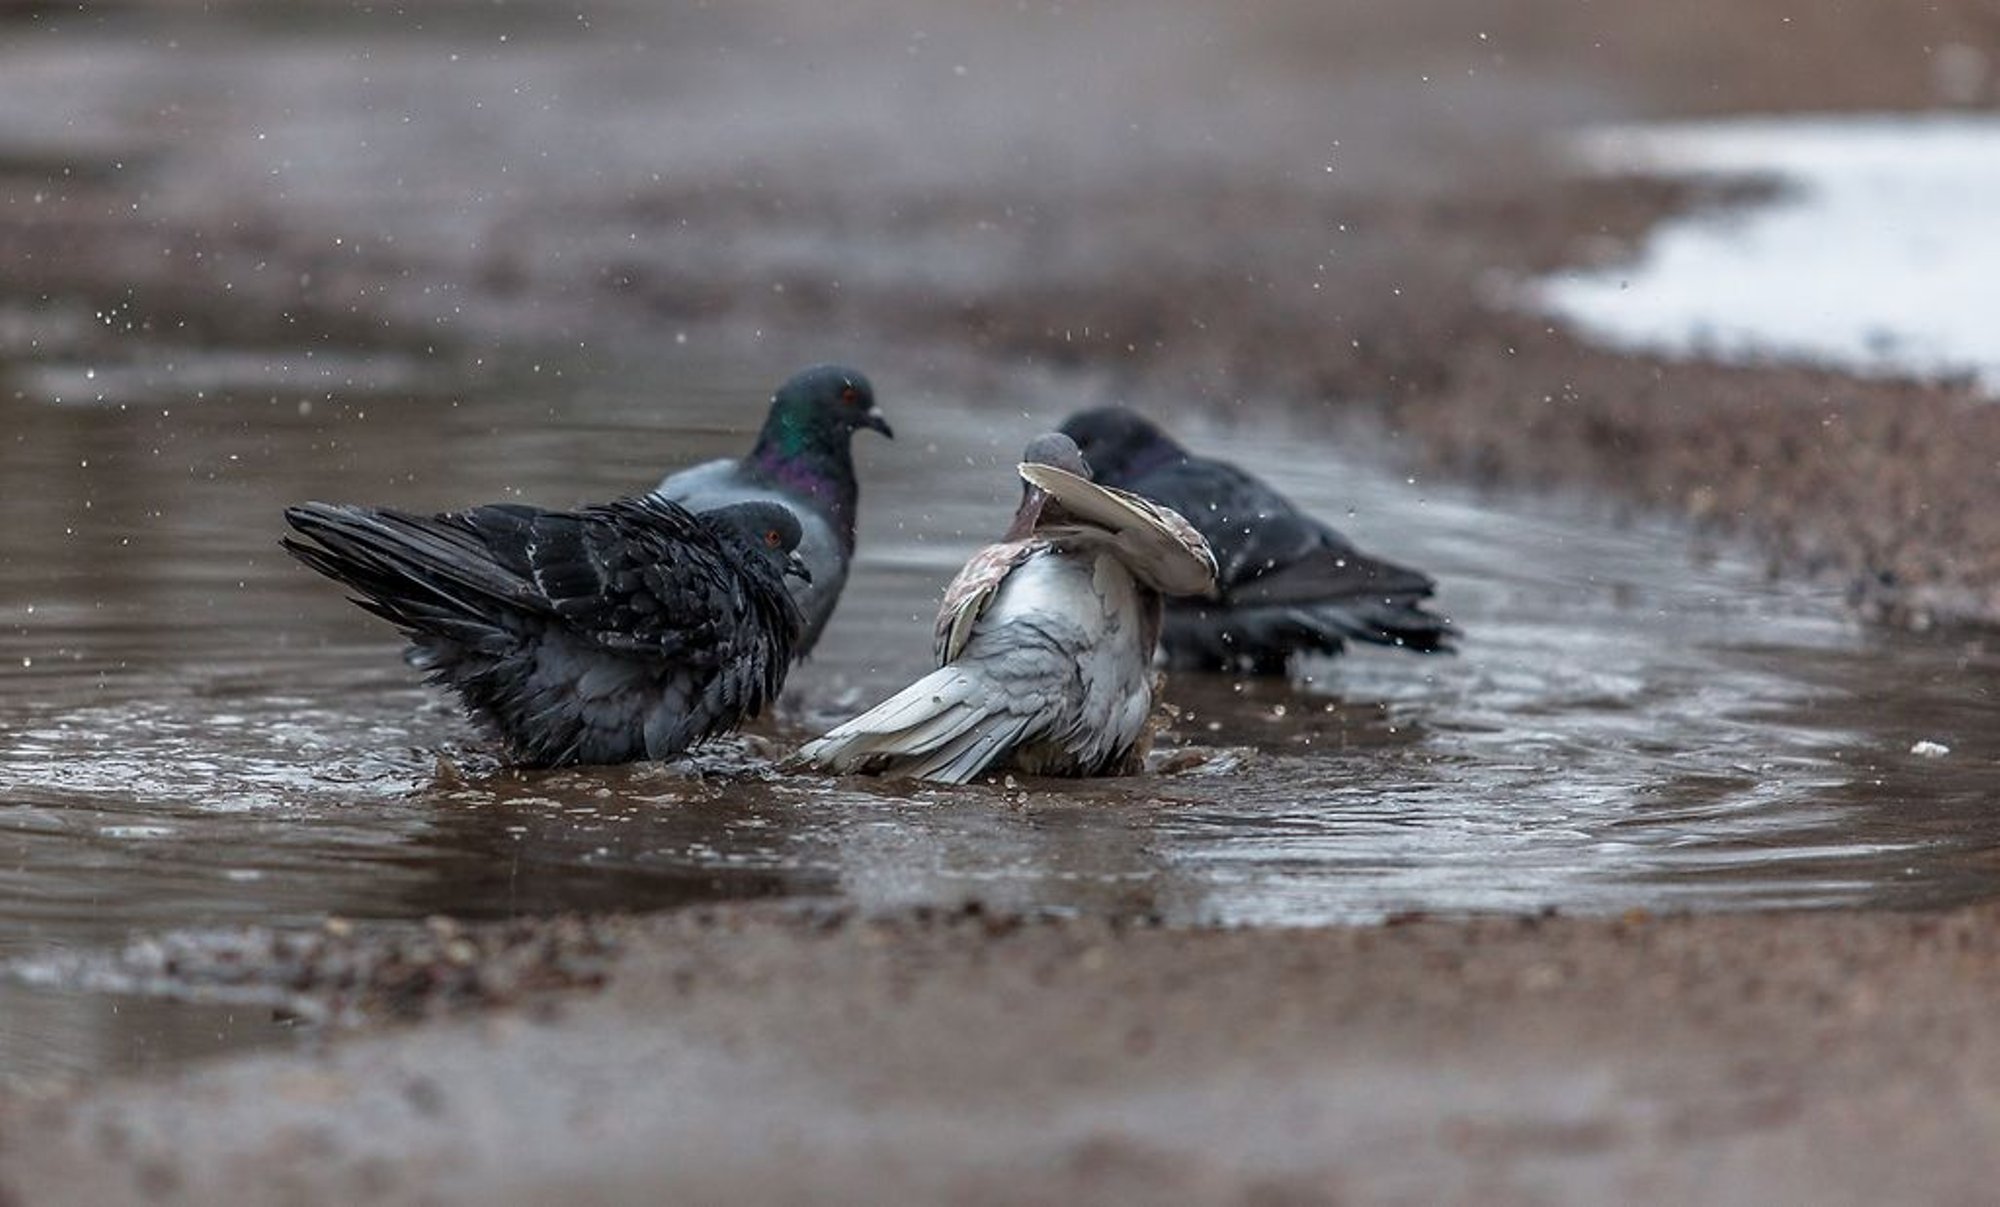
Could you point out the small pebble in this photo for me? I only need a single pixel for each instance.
(1930, 750)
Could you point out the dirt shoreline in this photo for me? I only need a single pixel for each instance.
(762, 1054)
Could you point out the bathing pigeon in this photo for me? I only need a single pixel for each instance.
(1288, 584)
(630, 630)
(802, 459)
(1045, 640)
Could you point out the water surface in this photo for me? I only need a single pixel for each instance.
(201, 734)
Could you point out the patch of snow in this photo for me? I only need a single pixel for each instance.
(1879, 254)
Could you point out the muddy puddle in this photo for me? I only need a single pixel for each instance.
(201, 735)
(197, 734)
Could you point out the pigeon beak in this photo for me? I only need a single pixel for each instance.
(796, 567)
(873, 419)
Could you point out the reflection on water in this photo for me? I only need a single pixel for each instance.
(199, 733)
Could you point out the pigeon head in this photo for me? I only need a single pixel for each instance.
(817, 412)
(767, 532)
(1121, 443)
(805, 451)
(1059, 450)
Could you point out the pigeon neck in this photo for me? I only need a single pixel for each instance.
(1027, 516)
(800, 463)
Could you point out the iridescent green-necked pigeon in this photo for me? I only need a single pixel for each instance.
(803, 458)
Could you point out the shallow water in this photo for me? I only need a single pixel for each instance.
(200, 734)
(1877, 253)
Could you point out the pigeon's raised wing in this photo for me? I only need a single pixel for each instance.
(1154, 541)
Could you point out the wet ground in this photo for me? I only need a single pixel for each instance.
(209, 736)
(464, 253)
(753, 1054)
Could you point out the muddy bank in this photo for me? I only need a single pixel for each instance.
(771, 1056)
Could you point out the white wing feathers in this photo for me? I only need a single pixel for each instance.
(1161, 548)
(946, 727)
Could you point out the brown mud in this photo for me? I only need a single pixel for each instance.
(777, 1056)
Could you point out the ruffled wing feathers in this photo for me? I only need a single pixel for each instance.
(1156, 543)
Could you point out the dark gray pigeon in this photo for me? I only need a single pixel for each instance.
(1288, 584)
(1045, 640)
(803, 458)
(626, 631)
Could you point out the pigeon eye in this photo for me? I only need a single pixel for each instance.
(849, 395)
(772, 538)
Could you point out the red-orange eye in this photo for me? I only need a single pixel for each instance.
(848, 395)
(772, 538)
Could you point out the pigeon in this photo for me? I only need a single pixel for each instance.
(1044, 642)
(803, 459)
(1288, 583)
(628, 630)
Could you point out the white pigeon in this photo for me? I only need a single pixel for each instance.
(1044, 642)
